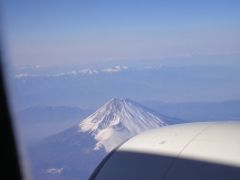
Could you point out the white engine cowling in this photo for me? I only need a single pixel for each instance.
(191, 151)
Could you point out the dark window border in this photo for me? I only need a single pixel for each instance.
(9, 162)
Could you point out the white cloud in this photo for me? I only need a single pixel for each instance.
(55, 171)
(88, 71)
(114, 69)
(21, 75)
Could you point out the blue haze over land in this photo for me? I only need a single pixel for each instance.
(179, 60)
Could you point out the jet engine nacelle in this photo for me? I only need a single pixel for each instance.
(192, 151)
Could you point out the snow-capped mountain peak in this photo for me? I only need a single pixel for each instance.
(118, 120)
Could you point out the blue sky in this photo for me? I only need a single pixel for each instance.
(57, 32)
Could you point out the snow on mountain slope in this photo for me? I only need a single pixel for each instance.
(118, 120)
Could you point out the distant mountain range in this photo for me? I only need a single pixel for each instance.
(90, 87)
(198, 111)
(38, 122)
(74, 153)
(38, 71)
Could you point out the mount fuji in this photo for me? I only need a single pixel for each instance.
(118, 120)
(75, 152)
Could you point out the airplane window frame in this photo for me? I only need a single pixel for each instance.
(9, 164)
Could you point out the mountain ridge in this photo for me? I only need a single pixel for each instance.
(67, 152)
